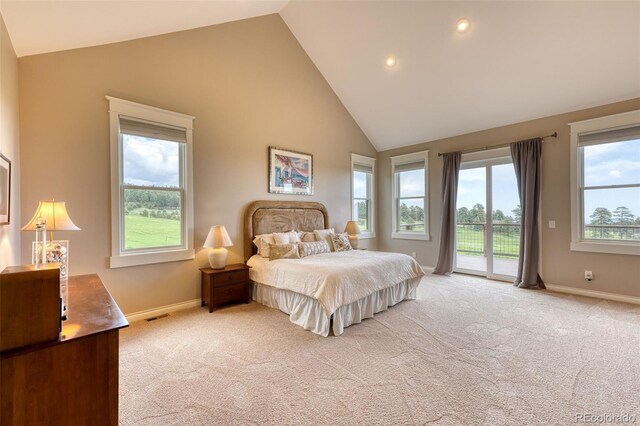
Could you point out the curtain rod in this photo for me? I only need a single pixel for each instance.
(486, 148)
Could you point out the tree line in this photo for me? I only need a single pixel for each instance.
(413, 214)
(477, 214)
(152, 203)
(620, 216)
(600, 216)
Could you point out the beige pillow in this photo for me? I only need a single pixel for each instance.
(324, 235)
(313, 247)
(284, 251)
(286, 237)
(341, 242)
(307, 237)
(262, 242)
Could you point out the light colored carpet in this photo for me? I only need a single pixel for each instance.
(468, 351)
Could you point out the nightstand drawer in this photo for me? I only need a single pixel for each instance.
(230, 277)
(230, 292)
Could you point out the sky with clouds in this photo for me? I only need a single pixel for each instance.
(612, 164)
(472, 188)
(150, 162)
(359, 185)
(412, 185)
(609, 164)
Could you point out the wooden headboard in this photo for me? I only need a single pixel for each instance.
(265, 217)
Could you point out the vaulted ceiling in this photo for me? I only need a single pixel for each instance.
(518, 60)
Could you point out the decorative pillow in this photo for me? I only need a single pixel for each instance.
(341, 242)
(284, 251)
(286, 237)
(307, 237)
(325, 235)
(262, 242)
(313, 247)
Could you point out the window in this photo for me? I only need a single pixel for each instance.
(410, 210)
(151, 185)
(362, 194)
(606, 184)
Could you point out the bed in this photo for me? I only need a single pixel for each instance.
(327, 291)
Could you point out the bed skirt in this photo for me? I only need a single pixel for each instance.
(309, 314)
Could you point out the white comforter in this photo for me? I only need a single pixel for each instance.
(335, 279)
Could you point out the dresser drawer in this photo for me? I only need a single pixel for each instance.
(230, 277)
(230, 292)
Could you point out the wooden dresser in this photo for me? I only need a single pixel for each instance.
(72, 380)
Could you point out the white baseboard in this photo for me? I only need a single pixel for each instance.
(150, 313)
(427, 269)
(593, 293)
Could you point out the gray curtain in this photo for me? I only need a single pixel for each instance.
(450, 172)
(526, 157)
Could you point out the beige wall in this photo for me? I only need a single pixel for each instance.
(248, 83)
(560, 266)
(10, 146)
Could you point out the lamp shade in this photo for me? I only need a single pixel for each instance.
(352, 228)
(218, 237)
(55, 213)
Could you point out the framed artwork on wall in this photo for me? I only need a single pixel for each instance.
(290, 172)
(5, 190)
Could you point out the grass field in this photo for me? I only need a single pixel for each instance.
(142, 232)
(471, 240)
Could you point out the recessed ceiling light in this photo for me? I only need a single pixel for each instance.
(462, 26)
(390, 61)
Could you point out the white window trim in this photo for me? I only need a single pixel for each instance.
(119, 258)
(396, 161)
(371, 162)
(594, 125)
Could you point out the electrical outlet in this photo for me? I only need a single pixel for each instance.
(552, 224)
(413, 254)
(588, 275)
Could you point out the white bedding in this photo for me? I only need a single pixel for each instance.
(309, 314)
(338, 278)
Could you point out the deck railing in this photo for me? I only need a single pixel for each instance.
(612, 232)
(471, 237)
(415, 226)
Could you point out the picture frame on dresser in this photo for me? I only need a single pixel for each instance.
(290, 172)
(5, 190)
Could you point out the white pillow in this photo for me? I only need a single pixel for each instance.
(286, 237)
(262, 242)
(325, 235)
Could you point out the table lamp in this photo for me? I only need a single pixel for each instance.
(353, 230)
(216, 242)
(52, 216)
(55, 217)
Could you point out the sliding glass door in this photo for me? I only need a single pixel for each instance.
(488, 219)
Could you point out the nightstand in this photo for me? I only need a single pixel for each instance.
(220, 286)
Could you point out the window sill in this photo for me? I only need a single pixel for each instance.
(367, 236)
(606, 247)
(409, 236)
(137, 259)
